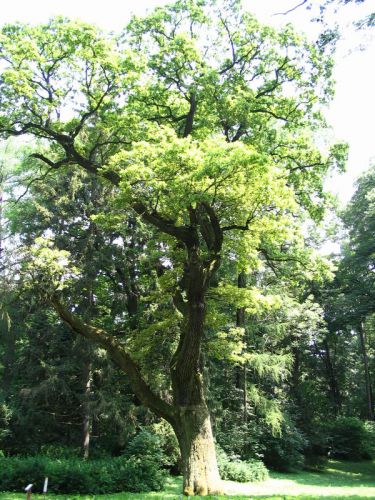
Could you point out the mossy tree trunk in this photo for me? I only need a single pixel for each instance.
(194, 434)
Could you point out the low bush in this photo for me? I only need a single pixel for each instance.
(59, 451)
(15, 473)
(351, 439)
(233, 469)
(168, 444)
(243, 472)
(5, 415)
(236, 437)
(284, 453)
(78, 476)
(146, 445)
(317, 447)
(315, 463)
(369, 445)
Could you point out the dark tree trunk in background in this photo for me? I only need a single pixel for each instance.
(369, 399)
(332, 379)
(86, 410)
(9, 359)
(2, 180)
(9, 332)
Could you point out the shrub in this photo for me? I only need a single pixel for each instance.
(285, 452)
(351, 439)
(59, 451)
(317, 447)
(5, 416)
(315, 463)
(240, 471)
(168, 444)
(146, 445)
(239, 438)
(369, 445)
(16, 472)
(243, 472)
(78, 476)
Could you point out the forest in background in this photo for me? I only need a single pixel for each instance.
(192, 172)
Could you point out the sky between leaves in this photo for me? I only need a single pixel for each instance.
(352, 113)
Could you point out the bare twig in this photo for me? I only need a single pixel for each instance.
(291, 10)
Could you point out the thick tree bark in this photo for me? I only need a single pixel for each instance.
(194, 434)
(193, 425)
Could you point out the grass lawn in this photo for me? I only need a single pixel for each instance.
(351, 480)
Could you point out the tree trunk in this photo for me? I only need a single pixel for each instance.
(194, 434)
(244, 394)
(192, 423)
(9, 358)
(86, 427)
(362, 339)
(332, 379)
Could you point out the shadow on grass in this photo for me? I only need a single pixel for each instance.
(337, 474)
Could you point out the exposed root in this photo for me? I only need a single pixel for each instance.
(203, 490)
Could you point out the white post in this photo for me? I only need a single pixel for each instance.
(45, 486)
(28, 489)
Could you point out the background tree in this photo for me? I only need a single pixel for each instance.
(49, 374)
(357, 269)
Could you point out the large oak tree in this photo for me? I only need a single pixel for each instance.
(204, 122)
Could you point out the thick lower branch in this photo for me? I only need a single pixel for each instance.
(181, 233)
(190, 116)
(120, 357)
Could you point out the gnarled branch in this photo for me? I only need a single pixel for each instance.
(122, 359)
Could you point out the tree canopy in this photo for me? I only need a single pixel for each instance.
(190, 148)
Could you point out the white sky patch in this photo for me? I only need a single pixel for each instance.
(352, 112)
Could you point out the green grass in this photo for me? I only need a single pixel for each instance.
(349, 480)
